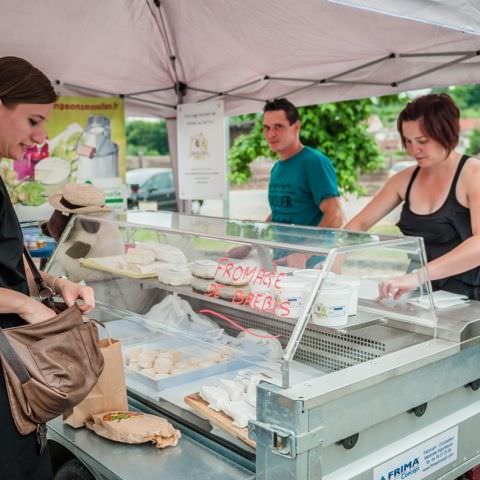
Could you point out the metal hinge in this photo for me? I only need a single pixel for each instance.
(282, 441)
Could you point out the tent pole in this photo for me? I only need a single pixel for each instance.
(341, 74)
(360, 82)
(336, 79)
(162, 28)
(437, 54)
(210, 97)
(225, 94)
(328, 79)
(180, 89)
(144, 92)
(151, 102)
(87, 89)
(440, 67)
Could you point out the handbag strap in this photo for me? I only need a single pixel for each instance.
(6, 349)
(39, 281)
(10, 355)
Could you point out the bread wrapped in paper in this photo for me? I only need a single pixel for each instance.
(134, 427)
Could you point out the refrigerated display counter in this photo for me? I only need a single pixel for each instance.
(272, 371)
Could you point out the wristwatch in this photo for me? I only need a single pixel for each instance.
(45, 293)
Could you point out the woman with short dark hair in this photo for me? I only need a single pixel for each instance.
(26, 100)
(441, 199)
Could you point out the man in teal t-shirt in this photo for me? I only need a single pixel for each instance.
(303, 187)
(298, 187)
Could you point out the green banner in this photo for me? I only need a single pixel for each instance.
(86, 142)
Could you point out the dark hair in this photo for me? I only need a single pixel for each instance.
(288, 107)
(439, 117)
(21, 82)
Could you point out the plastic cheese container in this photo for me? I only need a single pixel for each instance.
(295, 292)
(331, 305)
(353, 283)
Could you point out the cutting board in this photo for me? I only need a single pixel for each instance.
(219, 419)
(91, 263)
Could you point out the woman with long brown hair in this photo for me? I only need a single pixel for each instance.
(26, 100)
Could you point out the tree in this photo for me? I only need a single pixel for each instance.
(474, 147)
(149, 138)
(337, 129)
(465, 96)
(387, 107)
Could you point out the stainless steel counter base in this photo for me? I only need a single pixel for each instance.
(299, 431)
(118, 461)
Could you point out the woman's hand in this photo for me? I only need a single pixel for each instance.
(396, 287)
(71, 291)
(35, 312)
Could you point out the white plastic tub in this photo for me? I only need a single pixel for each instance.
(331, 305)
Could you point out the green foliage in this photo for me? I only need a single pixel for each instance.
(148, 138)
(467, 98)
(388, 107)
(246, 148)
(337, 129)
(474, 146)
(239, 119)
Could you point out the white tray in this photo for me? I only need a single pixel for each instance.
(170, 381)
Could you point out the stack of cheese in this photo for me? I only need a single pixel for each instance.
(231, 283)
(237, 398)
(168, 261)
(207, 276)
(203, 273)
(161, 363)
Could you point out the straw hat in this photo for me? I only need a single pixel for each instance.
(79, 198)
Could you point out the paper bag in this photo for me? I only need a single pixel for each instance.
(134, 427)
(109, 393)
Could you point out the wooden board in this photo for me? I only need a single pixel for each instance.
(91, 263)
(219, 419)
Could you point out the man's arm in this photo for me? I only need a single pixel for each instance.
(333, 216)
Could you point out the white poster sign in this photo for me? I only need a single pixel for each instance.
(421, 461)
(201, 151)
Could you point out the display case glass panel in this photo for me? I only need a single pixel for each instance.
(206, 302)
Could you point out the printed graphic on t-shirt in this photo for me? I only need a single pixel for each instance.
(297, 186)
(281, 195)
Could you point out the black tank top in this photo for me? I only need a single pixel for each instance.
(442, 231)
(12, 271)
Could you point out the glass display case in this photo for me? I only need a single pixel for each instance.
(207, 308)
(291, 351)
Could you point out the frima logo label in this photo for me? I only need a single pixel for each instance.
(403, 471)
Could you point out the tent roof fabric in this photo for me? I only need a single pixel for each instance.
(244, 51)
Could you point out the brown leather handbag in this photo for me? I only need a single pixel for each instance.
(51, 366)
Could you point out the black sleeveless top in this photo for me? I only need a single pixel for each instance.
(12, 271)
(442, 231)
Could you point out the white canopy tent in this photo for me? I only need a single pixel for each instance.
(462, 15)
(158, 53)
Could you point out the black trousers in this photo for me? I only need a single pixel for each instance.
(19, 459)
